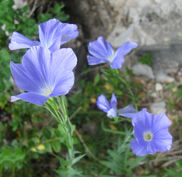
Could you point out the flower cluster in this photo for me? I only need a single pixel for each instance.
(46, 70)
(151, 131)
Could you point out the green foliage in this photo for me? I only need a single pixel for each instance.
(175, 172)
(12, 158)
(120, 160)
(146, 59)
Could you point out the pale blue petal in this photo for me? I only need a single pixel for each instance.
(127, 111)
(126, 48)
(31, 98)
(120, 52)
(160, 121)
(114, 102)
(100, 49)
(68, 32)
(117, 62)
(112, 113)
(95, 61)
(18, 41)
(103, 104)
(64, 58)
(50, 34)
(64, 84)
(37, 63)
(138, 149)
(22, 78)
(162, 140)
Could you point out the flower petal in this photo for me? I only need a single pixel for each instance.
(114, 102)
(64, 58)
(68, 32)
(161, 121)
(22, 79)
(120, 52)
(31, 98)
(50, 34)
(138, 149)
(126, 48)
(95, 61)
(117, 62)
(127, 111)
(103, 104)
(100, 49)
(37, 64)
(64, 84)
(163, 140)
(18, 41)
(112, 113)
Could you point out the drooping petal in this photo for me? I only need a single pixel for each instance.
(100, 49)
(50, 34)
(95, 61)
(31, 98)
(68, 32)
(102, 103)
(18, 41)
(64, 84)
(127, 111)
(114, 102)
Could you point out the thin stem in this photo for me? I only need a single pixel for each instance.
(85, 146)
(57, 107)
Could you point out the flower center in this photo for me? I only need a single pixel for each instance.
(147, 136)
(111, 58)
(112, 113)
(47, 91)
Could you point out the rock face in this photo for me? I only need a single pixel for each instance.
(148, 22)
(155, 24)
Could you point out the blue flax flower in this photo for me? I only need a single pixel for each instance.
(43, 74)
(111, 108)
(101, 51)
(52, 34)
(151, 133)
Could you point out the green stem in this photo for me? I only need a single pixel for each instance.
(126, 83)
(57, 107)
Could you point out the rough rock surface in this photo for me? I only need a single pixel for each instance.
(158, 107)
(140, 69)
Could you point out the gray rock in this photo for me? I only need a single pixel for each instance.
(158, 87)
(147, 22)
(158, 107)
(167, 61)
(162, 77)
(140, 69)
(19, 4)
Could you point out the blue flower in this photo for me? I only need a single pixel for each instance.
(43, 74)
(151, 133)
(52, 34)
(111, 108)
(101, 51)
